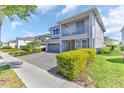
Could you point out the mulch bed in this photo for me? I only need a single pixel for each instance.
(84, 80)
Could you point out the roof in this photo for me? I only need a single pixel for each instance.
(4, 43)
(93, 10)
(25, 38)
(47, 35)
(12, 41)
(109, 41)
(54, 26)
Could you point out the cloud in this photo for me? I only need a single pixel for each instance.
(15, 24)
(46, 8)
(114, 20)
(68, 9)
(30, 34)
(27, 33)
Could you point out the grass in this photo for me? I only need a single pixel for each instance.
(9, 79)
(108, 70)
(9, 50)
(1, 57)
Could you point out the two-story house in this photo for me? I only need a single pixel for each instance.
(84, 30)
(23, 41)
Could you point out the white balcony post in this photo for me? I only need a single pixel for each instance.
(60, 49)
(46, 47)
(91, 28)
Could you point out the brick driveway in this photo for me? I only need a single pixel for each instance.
(44, 60)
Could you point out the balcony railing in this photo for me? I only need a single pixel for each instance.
(66, 33)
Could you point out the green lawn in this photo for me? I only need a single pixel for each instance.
(9, 79)
(108, 70)
(9, 50)
(1, 57)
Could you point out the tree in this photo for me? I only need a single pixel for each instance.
(35, 44)
(32, 46)
(22, 12)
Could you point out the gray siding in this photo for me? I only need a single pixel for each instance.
(98, 35)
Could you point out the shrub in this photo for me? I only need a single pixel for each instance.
(44, 49)
(7, 47)
(71, 63)
(18, 53)
(105, 50)
(27, 48)
(37, 50)
(122, 48)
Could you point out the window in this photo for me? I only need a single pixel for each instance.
(87, 25)
(79, 27)
(56, 31)
(78, 43)
(84, 43)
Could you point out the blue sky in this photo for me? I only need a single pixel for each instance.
(47, 16)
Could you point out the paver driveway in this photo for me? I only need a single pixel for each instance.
(44, 60)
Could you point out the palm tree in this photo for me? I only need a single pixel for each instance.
(23, 12)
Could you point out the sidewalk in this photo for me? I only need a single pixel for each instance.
(34, 77)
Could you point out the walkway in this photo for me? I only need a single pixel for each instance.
(34, 77)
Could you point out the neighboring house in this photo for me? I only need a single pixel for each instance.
(12, 44)
(4, 44)
(111, 42)
(24, 41)
(122, 30)
(42, 39)
(85, 30)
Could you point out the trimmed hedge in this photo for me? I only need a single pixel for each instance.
(71, 63)
(105, 50)
(18, 53)
(37, 50)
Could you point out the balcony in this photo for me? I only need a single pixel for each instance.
(67, 33)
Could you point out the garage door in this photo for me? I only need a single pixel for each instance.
(53, 48)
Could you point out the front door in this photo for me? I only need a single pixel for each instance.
(85, 43)
(72, 44)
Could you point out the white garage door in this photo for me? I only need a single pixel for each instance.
(53, 48)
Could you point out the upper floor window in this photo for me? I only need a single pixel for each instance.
(80, 27)
(56, 31)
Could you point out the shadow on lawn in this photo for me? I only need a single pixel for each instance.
(2, 68)
(116, 60)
